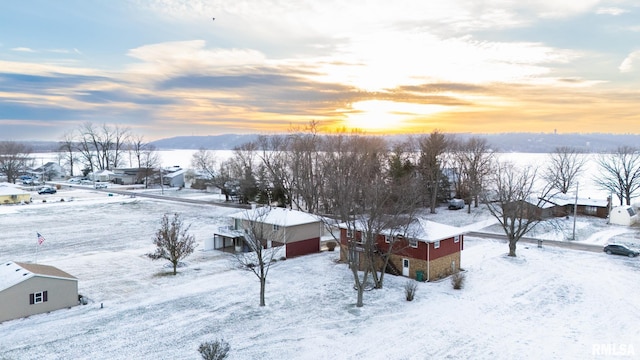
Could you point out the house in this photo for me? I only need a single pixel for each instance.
(102, 175)
(131, 176)
(298, 232)
(584, 206)
(531, 208)
(48, 171)
(426, 251)
(29, 289)
(173, 176)
(623, 215)
(10, 194)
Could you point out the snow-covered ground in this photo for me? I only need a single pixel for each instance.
(547, 303)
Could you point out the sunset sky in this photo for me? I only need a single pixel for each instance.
(165, 68)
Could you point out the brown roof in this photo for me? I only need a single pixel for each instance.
(45, 270)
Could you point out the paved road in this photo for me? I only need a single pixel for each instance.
(177, 199)
(563, 244)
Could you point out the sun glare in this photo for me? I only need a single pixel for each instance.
(381, 116)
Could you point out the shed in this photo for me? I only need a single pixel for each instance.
(29, 289)
(623, 215)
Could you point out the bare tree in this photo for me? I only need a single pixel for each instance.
(431, 164)
(102, 147)
(242, 167)
(473, 158)
(68, 148)
(514, 201)
(620, 173)
(273, 155)
(304, 159)
(173, 241)
(15, 158)
(216, 173)
(564, 168)
(258, 238)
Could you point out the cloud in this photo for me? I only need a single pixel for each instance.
(630, 63)
(189, 57)
(611, 11)
(23, 49)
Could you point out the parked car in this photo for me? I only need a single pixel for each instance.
(101, 185)
(74, 181)
(620, 250)
(47, 190)
(456, 204)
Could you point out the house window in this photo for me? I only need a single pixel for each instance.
(349, 234)
(590, 210)
(436, 244)
(456, 238)
(386, 239)
(413, 242)
(276, 227)
(36, 298)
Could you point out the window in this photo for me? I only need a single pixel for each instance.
(590, 210)
(436, 244)
(349, 234)
(276, 227)
(413, 242)
(456, 238)
(36, 298)
(386, 239)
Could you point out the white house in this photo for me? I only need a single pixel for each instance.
(623, 215)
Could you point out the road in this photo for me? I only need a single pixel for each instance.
(562, 244)
(177, 199)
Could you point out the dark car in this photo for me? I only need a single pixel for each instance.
(620, 250)
(47, 190)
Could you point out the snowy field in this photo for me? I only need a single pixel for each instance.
(547, 303)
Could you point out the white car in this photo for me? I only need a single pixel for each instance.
(101, 186)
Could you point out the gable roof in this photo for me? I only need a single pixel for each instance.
(431, 231)
(13, 273)
(276, 216)
(419, 229)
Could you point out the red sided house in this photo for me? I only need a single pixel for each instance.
(426, 251)
(297, 231)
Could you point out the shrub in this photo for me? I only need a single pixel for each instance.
(410, 290)
(283, 258)
(214, 350)
(457, 280)
(331, 245)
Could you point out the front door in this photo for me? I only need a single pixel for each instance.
(405, 267)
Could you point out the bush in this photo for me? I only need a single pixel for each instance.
(214, 350)
(457, 280)
(331, 245)
(282, 258)
(410, 290)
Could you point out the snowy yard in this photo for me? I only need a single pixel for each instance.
(545, 304)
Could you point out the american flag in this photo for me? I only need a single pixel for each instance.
(40, 238)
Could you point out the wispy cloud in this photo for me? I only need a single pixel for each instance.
(23, 49)
(630, 63)
(614, 11)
